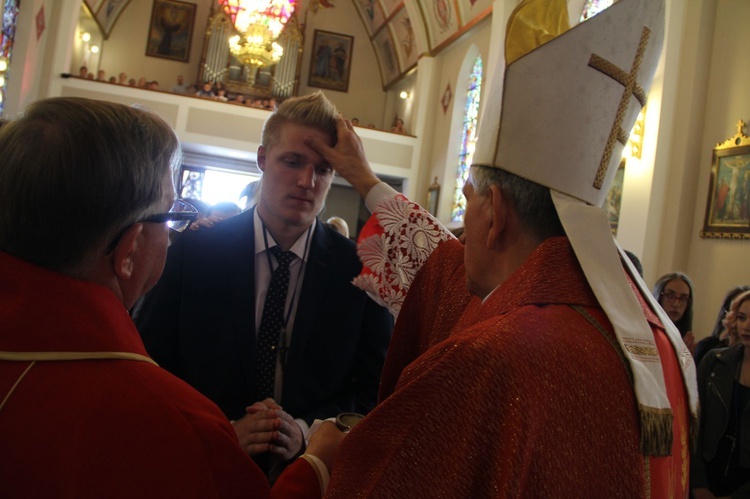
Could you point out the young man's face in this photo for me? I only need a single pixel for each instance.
(296, 179)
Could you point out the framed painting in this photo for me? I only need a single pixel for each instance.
(728, 205)
(171, 30)
(331, 61)
(614, 198)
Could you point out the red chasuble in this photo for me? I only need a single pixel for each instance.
(525, 395)
(107, 427)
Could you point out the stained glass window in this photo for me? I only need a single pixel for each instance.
(468, 139)
(7, 35)
(593, 7)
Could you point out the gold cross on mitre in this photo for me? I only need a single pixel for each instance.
(629, 81)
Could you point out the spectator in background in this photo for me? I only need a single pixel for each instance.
(180, 87)
(122, 79)
(217, 213)
(206, 91)
(339, 225)
(131, 82)
(83, 71)
(355, 121)
(635, 261)
(142, 82)
(112, 79)
(224, 210)
(398, 127)
(721, 465)
(719, 337)
(101, 75)
(251, 193)
(674, 292)
(221, 95)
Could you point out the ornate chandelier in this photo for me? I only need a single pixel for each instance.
(258, 24)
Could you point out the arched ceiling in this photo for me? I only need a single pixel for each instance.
(401, 31)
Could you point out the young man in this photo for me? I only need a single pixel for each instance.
(86, 197)
(322, 352)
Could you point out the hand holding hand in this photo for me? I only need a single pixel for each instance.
(287, 441)
(255, 430)
(347, 157)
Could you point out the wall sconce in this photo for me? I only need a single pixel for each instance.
(95, 49)
(85, 36)
(404, 94)
(636, 135)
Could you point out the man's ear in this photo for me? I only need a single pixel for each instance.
(261, 160)
(498, 214)
(125, 252)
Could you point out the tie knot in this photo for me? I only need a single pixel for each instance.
(283, 257)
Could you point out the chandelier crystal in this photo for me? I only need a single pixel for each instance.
(258, 24)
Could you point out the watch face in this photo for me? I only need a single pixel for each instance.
(347, 420)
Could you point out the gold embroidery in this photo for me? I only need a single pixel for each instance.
(640, 350)
(627, 80)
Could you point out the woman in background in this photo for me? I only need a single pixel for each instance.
(721, 465)
(674, 292)
(719, 337)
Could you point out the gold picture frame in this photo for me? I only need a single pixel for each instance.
(331, 61)
(171, 30)
(728, 206)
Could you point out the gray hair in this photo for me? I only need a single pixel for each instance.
(314, 111)
(75, 172)
(531, 201)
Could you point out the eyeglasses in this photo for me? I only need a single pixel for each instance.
(178, 218)
(671, 296)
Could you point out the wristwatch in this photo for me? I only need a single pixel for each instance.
(348, 420)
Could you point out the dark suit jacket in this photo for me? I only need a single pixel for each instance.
(199, 323)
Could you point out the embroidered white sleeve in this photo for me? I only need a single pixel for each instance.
(410, 235)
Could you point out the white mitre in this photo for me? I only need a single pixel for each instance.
(566, 111)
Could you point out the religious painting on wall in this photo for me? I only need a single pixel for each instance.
(171, 30)
(331, 61)
(386, 53)
(407, 43)
(371, 13)
(614, 198)
(106, 12)
(728, 206)
(442, 21)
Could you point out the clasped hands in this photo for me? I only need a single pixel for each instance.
(268, 428)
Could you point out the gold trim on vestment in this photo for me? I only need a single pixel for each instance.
(54, 356)
(35, 357)
(656, 424)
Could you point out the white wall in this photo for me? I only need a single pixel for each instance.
(715, 265)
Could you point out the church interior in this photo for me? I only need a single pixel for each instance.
(683, 194)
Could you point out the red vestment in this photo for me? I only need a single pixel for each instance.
(106, 427)
(521, 396)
